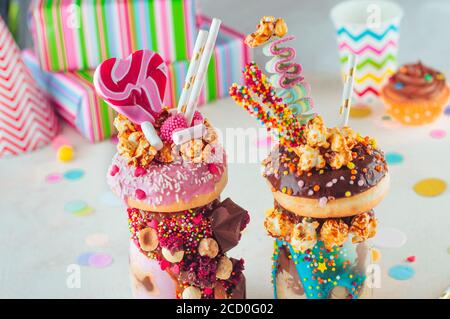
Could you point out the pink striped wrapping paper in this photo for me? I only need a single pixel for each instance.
(75, 100)
(72, 35)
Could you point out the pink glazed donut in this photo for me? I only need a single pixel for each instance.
(167, 188)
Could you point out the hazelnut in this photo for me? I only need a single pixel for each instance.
(172, 257)
(148, 239)
(224, 268)
(208, 247)
(191, 292)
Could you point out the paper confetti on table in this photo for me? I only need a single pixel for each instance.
(100, 260)
(53, 178)
(97, 240)
(447, 110)
(83, 259)
(376, 255)
(430, 187)
(389, 238)
(401, 272)
(394, 158)
(411, 259)
(84, 212)
(360, 112)
(78, 208)
(74, 174)
(438, 134)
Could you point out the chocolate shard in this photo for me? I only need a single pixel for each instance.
(228, 220)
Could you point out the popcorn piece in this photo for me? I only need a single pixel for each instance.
(210, 135)
(165, 155)
(317, 133)
(364, 226)
(309, 158)
(268, 26)
(174, 257)
(148, 239)
(192, 150)
(338, 159)
(334, 232)
(191, 292)
(304, 236)
(208, 247)
(277, 224)
(224, 268)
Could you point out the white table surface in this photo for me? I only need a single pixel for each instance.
(39, 240)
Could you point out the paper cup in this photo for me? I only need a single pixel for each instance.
(369, 29)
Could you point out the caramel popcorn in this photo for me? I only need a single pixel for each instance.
(309, 158)
(268, 26)
(304, 236)
(277, 224)
(165, 155)
(334, 232)
(210, 135)
(332, 146)
(364, 226)
(192, 150)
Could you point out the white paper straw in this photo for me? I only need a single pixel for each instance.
(192, 70)
(200, 76)
(348, 89)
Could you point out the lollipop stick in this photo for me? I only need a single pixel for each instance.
(192, 70)
(203, 66)
(348, 90)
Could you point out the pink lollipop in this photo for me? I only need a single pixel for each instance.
(134, 86)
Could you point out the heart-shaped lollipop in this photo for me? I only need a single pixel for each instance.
(134, 86)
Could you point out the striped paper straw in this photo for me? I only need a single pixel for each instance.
(204, 62)
(192, 70)
(348, 90)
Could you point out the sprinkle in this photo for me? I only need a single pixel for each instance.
(316, 188)
(350, 165)
(310, 192)
(301, 183)
(329, 184)
(399, 85)
(428, 77)
(140, 171)
(348, 194)
(140, 194)
(323, 201)
(334, 180)
(115, 170)
(360, 182)
(284, 189)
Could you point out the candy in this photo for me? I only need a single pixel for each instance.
(224, 268)
(64, 150)
(208, 247)
(193, 132)
(135, 86)
(191, 292)
(140, 194)
(148, 239)
(173, 123)
(151, 135)
(173, 257)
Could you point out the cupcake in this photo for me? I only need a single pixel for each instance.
(415, 94)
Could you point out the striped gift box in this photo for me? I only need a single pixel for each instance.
(74, 96)
(72, 35)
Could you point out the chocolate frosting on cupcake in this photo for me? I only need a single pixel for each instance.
(369, 168)
(415, 81)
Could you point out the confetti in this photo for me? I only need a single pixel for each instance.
(97, 240)
(75, 206)
(109, 199)
(74, 174)
(53, 178)
(430, 187)
(389, 238)
(394, 158)
(84, 212)
(438, 134)
(411, 259)
(376, 255)
(264, 142)
(447, 110)
(360, 112)
(100, 260)
(401, 272)
(83, 259)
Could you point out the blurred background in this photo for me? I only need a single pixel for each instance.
(425, 24)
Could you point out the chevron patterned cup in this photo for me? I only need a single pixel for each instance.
(369, 29)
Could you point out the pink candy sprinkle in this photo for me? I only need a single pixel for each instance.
(208, 291)
(140, 171)
(164, 264)
(114, 170)
(140, 194)
(197, 118)
(153, 223)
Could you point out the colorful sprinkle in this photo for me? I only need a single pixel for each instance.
(428, 77)
(389, 238)
(401, 272)
(140, 194)
(438, 133)
(411, 259)
(393, 158)
(114, 170)
(100, 260)
(399, 85)
(430, 187)
(74, 174)
(53, 178)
